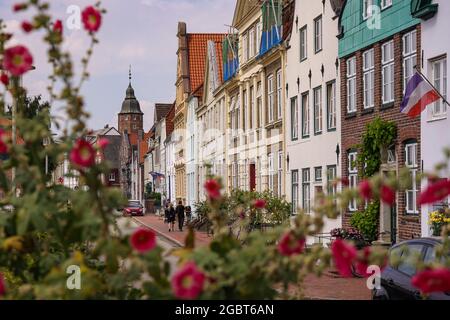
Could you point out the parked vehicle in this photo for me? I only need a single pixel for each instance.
(133, 208)
(396, 279)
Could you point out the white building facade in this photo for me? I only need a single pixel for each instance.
(313, 107)
(435, 120)
(192, 190)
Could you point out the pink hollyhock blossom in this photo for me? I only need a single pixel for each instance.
(82, 154)
(3, 145)
(387, 195)
(103, 143)
(345, 182)
(435, 192)
(188, 282)
(143, 240)
(58, 26)
(365, 190)
(17, 60)
(432, 280)
(260, 203)
(19, 7)
(2, 285)
(4, 79)
(289, 245)
(212, 187)
(343, 256)
(91, 18)
(27, 26)
(362, 263)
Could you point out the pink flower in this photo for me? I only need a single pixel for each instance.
(343, 256)
(260, 204)
(435, 192)
(82, 154)
(103, 143)
(3, 145)
(365, 190)
(387, 195)
(143, 240)
(345, 182)
(91, 18)
(19, 7)
(432, 280)
(187, 282)
(212, 188)
(58, 26)
(17, 60)
(27, 26)
(362, 263)
(2, 285)
(290, 245)
(4, 79)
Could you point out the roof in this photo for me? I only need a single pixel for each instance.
(198, 92)
(169, 121)
(143, 147)
(197, 46)
(161, 110)
(130, 104)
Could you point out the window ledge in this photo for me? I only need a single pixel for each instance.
(368, 110)
(350, 115)
(386, 106)
(437, 118)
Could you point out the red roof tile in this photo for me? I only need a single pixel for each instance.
(197, 47)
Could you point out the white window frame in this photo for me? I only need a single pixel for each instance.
(385, 4)
(294, 190)
(351, 85)
(271, 171)
(305, 116)
(251, 43)
(270, 95)
(318, 34)
(318, 177)
(244, 48)
(331, 177)
(294, 118)
(439, 76)
(112, 176)
(367, 4)
(280, 173)
(331, 106)
(303, 43)
(258, 37)
(259, 104)
(369, 78)
(306, 190)
(409, 56)
(279, 95)
(318, 112)
(352, 178)
(387, 72)
(244, 109)
(411, 162)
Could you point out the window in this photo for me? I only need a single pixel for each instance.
(306, 190)
(251, 43)
(367, 8)
(439, 69)
(244, 48)
(280, 172)
(351, 85)
(305, 115)
(270, 95)
(259, 104)
(245, 181)
(387, 70)
(112, 176)
(331, 106)
(411, 162)
(303, 43)
(409, 259)
(318, 174)
(235, 175)
(271, 171)
(352, 178)
(251, 116)
(318, 110)
(279, 95)
(318, 34)
(331, 178)
(258, 36)
(244, 110)
(369, 78)
(294, 118)
(409, 56)
(386, 3)
(294, 190)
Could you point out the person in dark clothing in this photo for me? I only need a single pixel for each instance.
(188, 214)
(180, 215)
(171, 218)
(166, 213)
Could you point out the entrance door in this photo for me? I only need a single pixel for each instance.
(394, 224)
(252, 177)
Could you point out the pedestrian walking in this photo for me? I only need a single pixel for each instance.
(171, 218)
(188, 214)
(180, 215)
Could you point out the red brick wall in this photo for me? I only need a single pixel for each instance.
(408, 226)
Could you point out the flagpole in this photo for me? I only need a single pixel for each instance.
(429, 82)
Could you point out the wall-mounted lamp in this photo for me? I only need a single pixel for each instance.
(338, 152)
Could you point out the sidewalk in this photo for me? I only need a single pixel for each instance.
(157, 224)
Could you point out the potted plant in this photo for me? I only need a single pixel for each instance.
(437, 220)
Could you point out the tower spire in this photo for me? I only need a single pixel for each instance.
(129, 74)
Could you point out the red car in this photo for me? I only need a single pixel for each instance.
(133, 208)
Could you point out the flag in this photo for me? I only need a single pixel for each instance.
(419, 94)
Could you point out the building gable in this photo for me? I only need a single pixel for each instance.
(242, 9)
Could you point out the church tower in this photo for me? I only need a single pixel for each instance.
(130, 116)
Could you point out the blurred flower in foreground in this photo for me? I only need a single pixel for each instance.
(17, 60)
(187, 283)
(212, 188)
(290, 245)
(143, 240)
(432, 280)
(92, 19)
(435, 192)
(82, 154)
(343, 256)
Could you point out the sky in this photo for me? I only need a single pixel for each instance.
(140, 33)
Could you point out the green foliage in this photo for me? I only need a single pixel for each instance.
(380, 134)
(367, 221)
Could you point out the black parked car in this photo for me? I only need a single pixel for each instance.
(396, 280)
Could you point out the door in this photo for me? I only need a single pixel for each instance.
(393, 224)
(252, 177)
